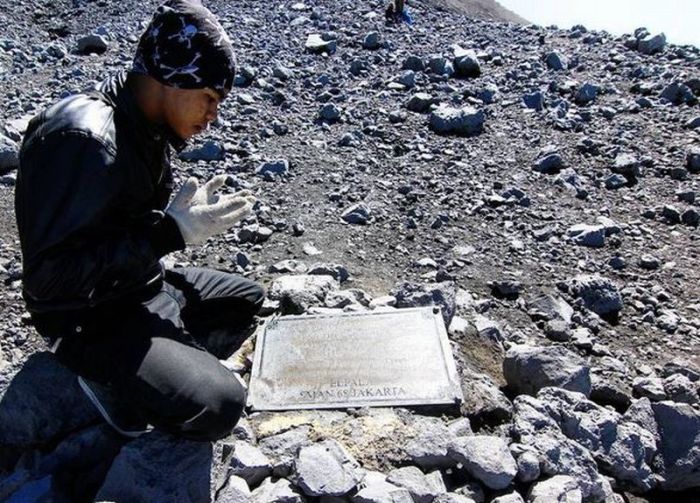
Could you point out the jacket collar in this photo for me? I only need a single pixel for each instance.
(117, 89)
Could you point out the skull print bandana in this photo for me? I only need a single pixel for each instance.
(184, 46)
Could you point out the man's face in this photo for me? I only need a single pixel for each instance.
(189, 111)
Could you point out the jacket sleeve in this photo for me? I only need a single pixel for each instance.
(78, 241)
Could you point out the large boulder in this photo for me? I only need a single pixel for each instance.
(466, 121)
(679, 432)
(528, 369)
(599, 294)
(486, 458)
(296, 293)
(652, 43)
(466, 63)
(326, 469)
(442, 295)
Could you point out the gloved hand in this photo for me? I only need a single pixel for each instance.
(200, 213)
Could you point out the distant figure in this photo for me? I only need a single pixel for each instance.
(396, 12)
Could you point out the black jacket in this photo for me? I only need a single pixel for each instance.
(93, 180)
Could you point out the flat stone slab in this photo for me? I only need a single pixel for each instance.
(399, 357)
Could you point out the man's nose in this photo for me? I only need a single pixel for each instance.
(212, 113)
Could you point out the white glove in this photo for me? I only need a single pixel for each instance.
(200, 213)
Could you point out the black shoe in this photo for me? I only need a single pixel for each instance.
(118, 415)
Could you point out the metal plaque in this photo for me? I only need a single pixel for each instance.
(399, 357)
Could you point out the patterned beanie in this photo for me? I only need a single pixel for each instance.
(184, 46)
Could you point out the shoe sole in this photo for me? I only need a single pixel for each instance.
(96, 402)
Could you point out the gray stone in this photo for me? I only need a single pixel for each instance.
(693, 123)
(210, 151)
(486, 458)
(615, 181)
(464, 121)
(548, 162)
(137, 473)
(534, 100)
(681, 389)
(249, 463)
(428, 448)
(421, 488)
(627, 165)
(407, 78)
(326, 469)
(556, 61)
(692, 160)
(509, 498)
(484, 402)
(599, 294)
(235, 491)
(276, 167)
(443, 295)
(90, 44)
(316, 44)
(337, 271)
(414, 63)
(9, 155)
(33, 407)
(466, 63)
(375, 489)
(527, 369)
(420, 102)
(254, 233)
(560, 488)
(359, 213)
(534, 427)
(528, 467)
(652, 44)
(289, 266)
(586, 94)
(546, 307)
(280, 491)
(452, 498)
(329, 112)
(677, 93)
(282, 448)
(679, 431)
(441, 66)
(297, 293)
(371, 41)
(592, 236)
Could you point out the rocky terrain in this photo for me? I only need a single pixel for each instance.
(541, 186)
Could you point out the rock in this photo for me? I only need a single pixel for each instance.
(289, 266)
(452, 498)
(137, 473)
(534, 100)
(556, 61)
(210, 151)
(254, 234)
(592, 236)
(527, 369)
(280, 491)
(419, 102)
(549, 161)
(371, 41)
(692, 160)
(681, 389)
(627, 165)
(561, 488)
(407, 79)
(326, 469)
(32, 406)
(428, 448)
(485, 458)
(465, 121)
(329, 112)
(443, 295)
(316, 44)
(358, 213)
(693, 123)
(9, 155)
(441, 66)
(276, 167)
(235, 491)
(299, 292)
(615, 181)
(547, 308)
(559, 455)
(509, 498)
(680, 452)
(421, 488)
(466, 63)
(282, 448)
(337, 271)
(484, 403)
(678, 93)
(599, 294)
(652, 44)
(528, 467)
(250, 464)
(375, 489)
(586, 94)
(649, 262)
(414, 63)
(92, 44)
